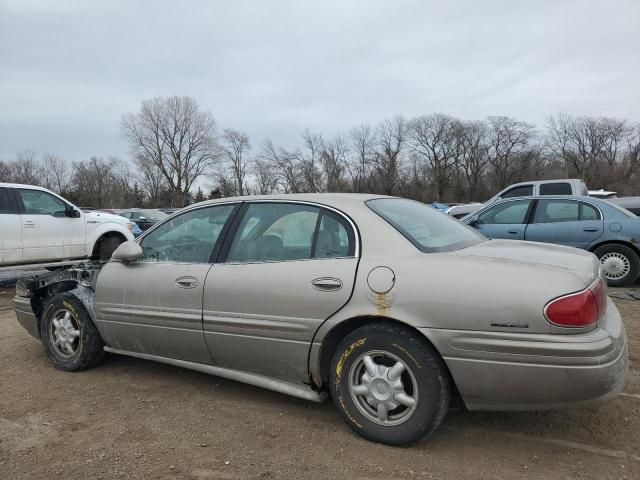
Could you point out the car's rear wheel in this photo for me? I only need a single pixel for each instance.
(68, 334)
(620, 264)
(389, 384)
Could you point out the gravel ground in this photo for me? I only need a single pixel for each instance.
(131, 418)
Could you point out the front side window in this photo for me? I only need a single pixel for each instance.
(552, 211)
(272, 232)
(36, 202)
(506, 213)
(524, 191)
(187, 238)
(557, 188)
(425, 227)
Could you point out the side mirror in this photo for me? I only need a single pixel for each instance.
(473, 222)
(127, 252)
(72, 213)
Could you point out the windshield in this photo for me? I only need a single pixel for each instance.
(155, 215)
(425, 227)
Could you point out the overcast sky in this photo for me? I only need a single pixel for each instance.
(70, 69)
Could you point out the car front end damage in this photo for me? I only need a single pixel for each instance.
(33, 292)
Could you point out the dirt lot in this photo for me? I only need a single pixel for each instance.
(135, 419)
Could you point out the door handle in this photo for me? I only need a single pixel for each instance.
(327, 284)
(187, 282)
(29, 223)
(590, 229)
(514, 232)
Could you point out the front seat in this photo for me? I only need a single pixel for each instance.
(269, 248)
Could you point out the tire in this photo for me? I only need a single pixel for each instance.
(425, 379)
(620, 264)
(82, 346)
(107, 246)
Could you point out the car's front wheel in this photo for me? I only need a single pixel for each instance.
(68, 334)
(389, 384)
(620, 264)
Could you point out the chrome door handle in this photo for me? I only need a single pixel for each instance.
(187, 282)
(327, 284)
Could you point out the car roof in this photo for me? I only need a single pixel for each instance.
(20, 185)
(335, 200)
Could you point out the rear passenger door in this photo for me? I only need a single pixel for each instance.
(10, 229)
(285, 268)
(565, 222)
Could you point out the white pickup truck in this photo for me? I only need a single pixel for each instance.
(38, 227)
(565, 186)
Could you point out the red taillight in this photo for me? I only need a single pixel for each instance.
(579, 309)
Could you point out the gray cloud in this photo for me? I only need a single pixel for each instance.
(69, 69)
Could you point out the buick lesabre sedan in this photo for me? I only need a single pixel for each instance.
(384, 303)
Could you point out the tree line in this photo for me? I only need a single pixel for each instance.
(176, 148)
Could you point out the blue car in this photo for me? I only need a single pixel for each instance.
(609, 231)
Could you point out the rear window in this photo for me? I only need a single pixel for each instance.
(6, 202)
(523, 191)
(429, 230)
(560, 188)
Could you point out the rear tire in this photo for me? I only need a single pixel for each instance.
(68, 334)
(620, 264)
(407, 377)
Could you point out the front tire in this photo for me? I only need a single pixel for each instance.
(68, 334)
(620, 264)
(389, 384)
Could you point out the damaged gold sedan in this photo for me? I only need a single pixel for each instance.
(384, 303)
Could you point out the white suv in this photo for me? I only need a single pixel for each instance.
(38, 226)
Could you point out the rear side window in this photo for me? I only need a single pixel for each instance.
(588, 212)
(273, 232)
(551, 211)
(523, 191)
(7, 205)
(559, 188)
(335, 237)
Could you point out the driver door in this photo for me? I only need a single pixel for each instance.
(154, 306)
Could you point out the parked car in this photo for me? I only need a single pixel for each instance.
(384, 302)
(609, 231)
(565, 186)
(39, 226)
(629, 203)
(169, 211)
(602, 193)
(144, 217)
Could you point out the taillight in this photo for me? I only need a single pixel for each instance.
(579, 309)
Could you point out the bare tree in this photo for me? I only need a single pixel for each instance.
(334, 163)
(433, 139)
(391, 139)
(508, 141)
(363, 144)
(591, 147)
(56, 173)
(472, 154)
(235, 146)
(175, 136)
(152, 181)
(6, 171)
(26, 169)
(283, 164)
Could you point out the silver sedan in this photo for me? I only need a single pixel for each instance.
(384, 303)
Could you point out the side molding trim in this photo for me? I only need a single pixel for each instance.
(300, 391)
